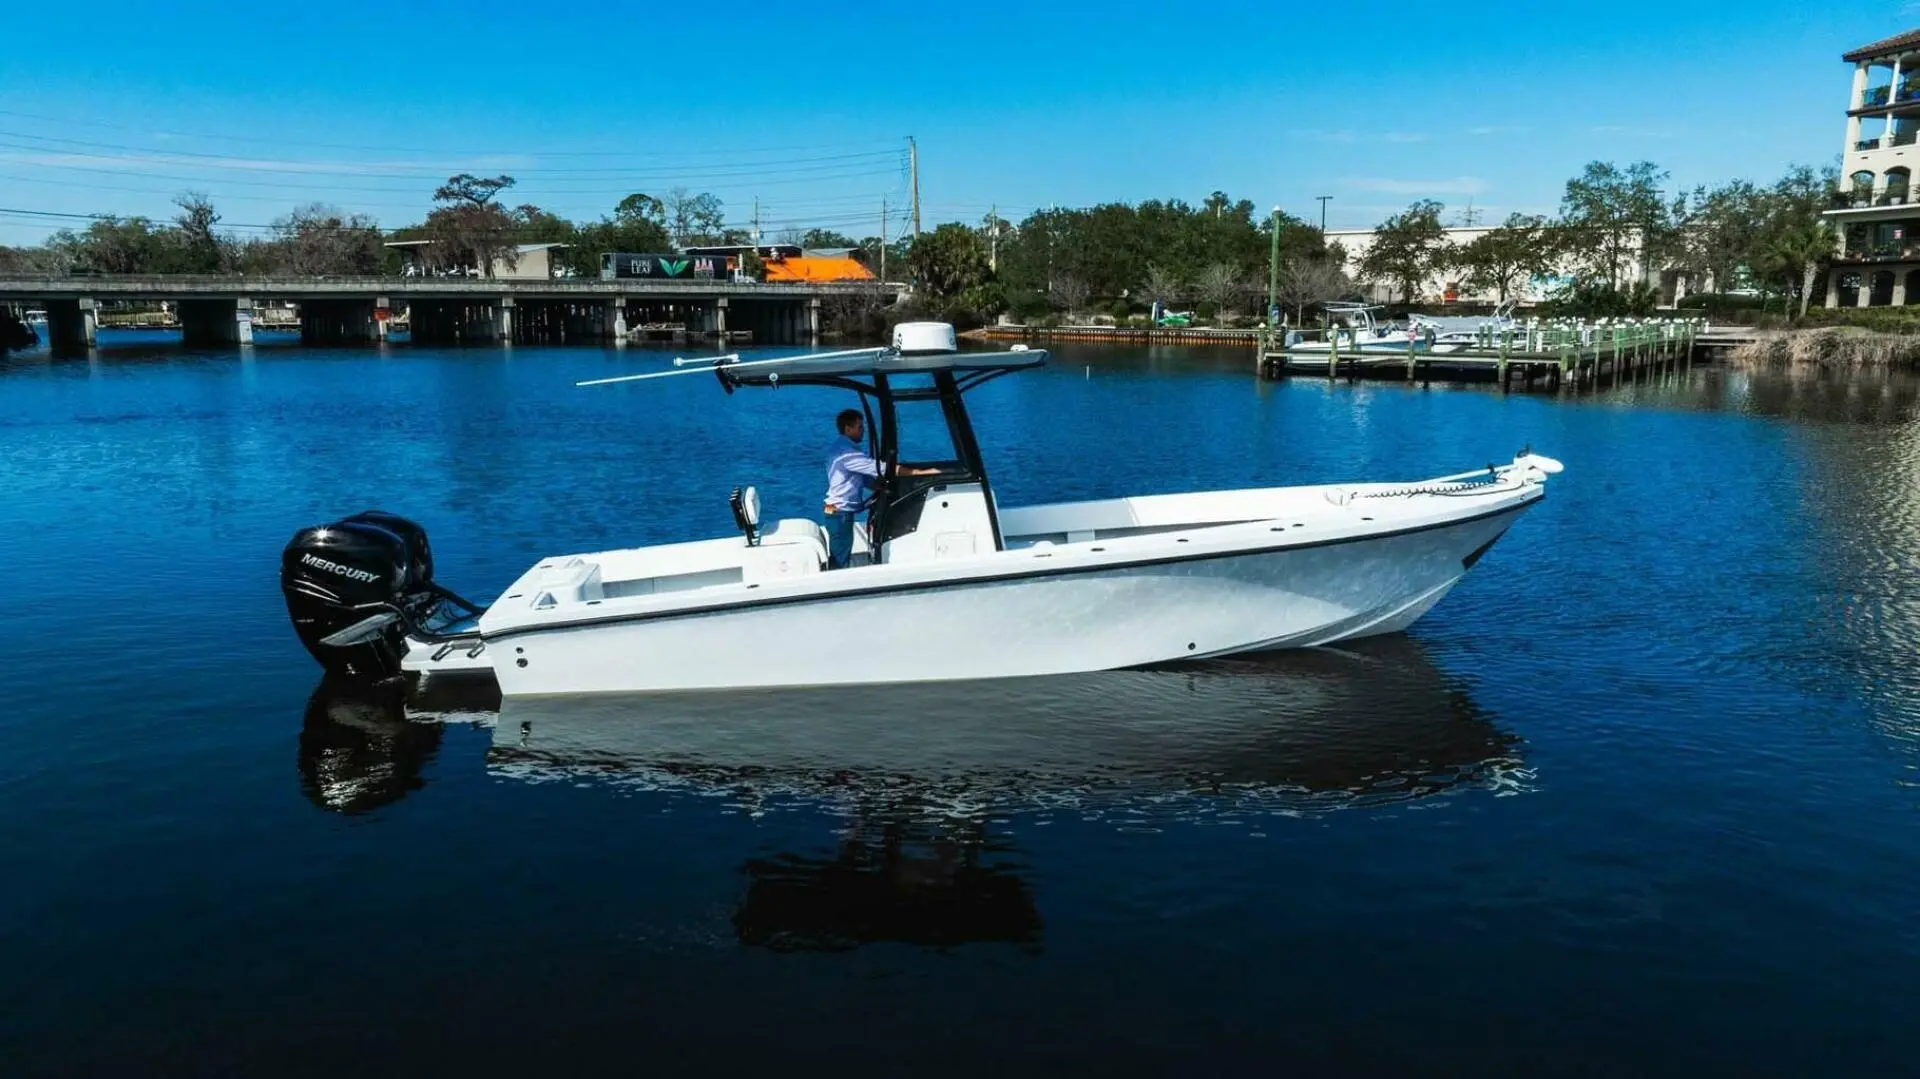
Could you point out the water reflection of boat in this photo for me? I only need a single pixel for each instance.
(1358, 725)
(925, 778)
(1326, 727)
(361, 749)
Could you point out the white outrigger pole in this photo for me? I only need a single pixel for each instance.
(731, 361)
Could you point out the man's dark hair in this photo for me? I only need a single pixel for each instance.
(846, 419)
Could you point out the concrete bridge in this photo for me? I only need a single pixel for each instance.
(218, 310)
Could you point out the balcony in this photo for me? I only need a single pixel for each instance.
(1883, 253)
(1881, 142)
(1880, 97)
(1891, 241)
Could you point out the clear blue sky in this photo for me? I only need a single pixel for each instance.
(116, 107)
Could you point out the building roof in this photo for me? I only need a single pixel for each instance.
(765, 250)
(1898, 43)
(521, 248)
(811, 268)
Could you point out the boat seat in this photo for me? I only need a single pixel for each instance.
(574, 580)
(795, 547)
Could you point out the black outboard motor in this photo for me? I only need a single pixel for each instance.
(358, 587)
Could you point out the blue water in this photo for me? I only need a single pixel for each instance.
(1639, 797)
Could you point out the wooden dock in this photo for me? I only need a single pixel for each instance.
(1545, 358)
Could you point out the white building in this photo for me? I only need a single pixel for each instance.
(531, 262)
(1448, 286)
(1879, 228)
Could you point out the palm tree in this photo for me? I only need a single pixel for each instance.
(1797, 250)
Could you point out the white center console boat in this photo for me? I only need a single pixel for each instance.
(946, 582)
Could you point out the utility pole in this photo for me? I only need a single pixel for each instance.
(993, 238)
(756, 220)
(1324, 199)
(883, 239)
(913, 170)
(1273, 270)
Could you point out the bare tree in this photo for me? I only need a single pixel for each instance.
(1303, 282)
(317, 239)
(1220, 284)
(1071, 291)
(47, 261)
(693, 218)
(1163, 284)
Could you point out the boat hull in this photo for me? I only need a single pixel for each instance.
(1035, 623)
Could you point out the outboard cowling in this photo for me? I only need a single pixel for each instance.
(357, 587)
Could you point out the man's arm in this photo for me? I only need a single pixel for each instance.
(859, 464)
(864, 465)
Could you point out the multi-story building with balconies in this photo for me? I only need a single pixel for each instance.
(1879, 223)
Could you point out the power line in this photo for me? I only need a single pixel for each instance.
(267, 141)
(744, 183)
(329, 189)
(427, 171)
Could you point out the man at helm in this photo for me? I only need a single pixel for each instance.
(850, 475)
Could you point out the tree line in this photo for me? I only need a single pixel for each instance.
(470, 225)
(1613, 224)
(1121, 258)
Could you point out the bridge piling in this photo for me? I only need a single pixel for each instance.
(617, 320)
(338, 322)
(215, 323)
(72, 325)
(503, 320)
